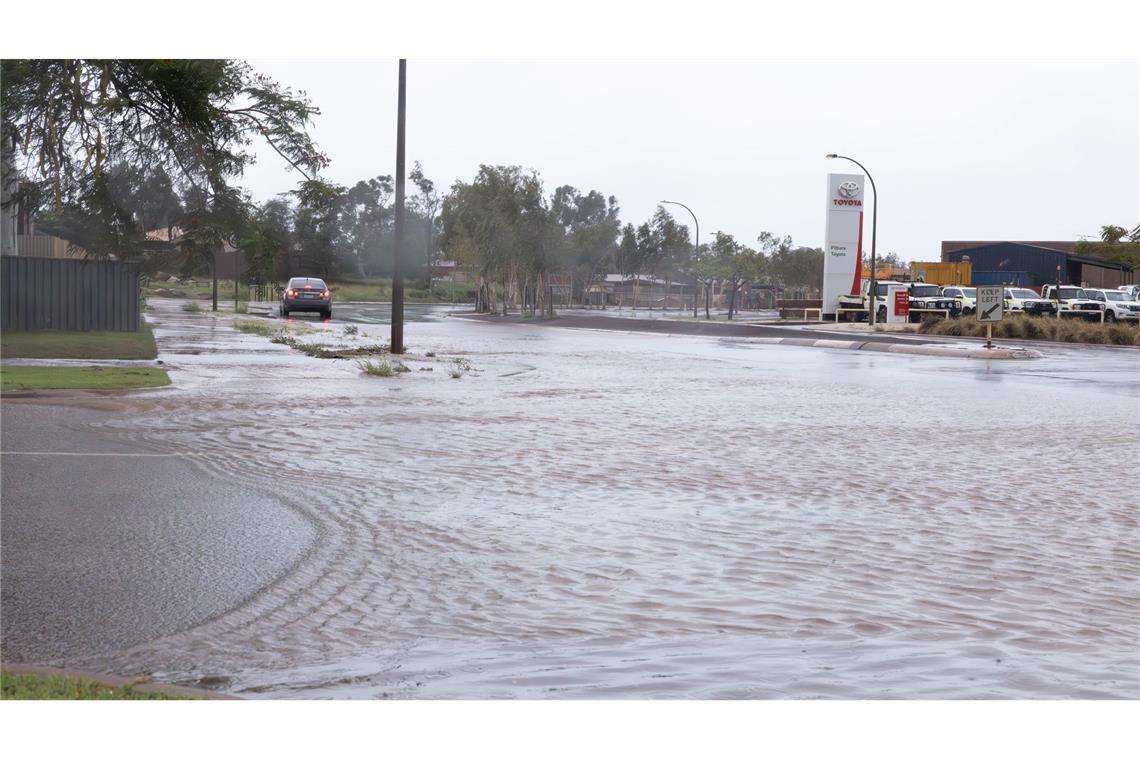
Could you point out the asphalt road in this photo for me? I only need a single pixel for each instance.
(108, 544)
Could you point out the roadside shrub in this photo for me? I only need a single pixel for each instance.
(1023, 326)
(1035, 330)
(1093, 335)
(350, 330)
(942, 327)
(192, 307)
(255, 326)
(459, 366)
(382, 368)
(1121, 335)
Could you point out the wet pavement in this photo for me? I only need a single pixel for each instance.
(108, 543)
(594, 513)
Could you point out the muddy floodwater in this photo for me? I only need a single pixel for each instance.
(588, 514)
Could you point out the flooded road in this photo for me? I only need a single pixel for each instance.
(592, 514)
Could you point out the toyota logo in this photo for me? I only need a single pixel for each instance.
(848, 189)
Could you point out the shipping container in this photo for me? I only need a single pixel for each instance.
(941, 272)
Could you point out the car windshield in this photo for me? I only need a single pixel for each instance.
(1022, 293)
(1071, 293)
(1116, 296)
(924, 290)
(970, 292)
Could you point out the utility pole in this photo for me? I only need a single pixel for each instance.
(397, 342)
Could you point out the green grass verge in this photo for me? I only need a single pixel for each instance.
(21, 686)
(34, 377)
(76, 344)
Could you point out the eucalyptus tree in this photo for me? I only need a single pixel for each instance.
(628, 256)
(266, 240)
(425, 205)
(735, 264)
(591, 228)
(317, 230)
(501, 226)
(366, 220)
(210, 221)
(790, 265)
(672, 250)
(704, 269)
(71, 120)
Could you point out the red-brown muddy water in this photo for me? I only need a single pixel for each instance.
(600, 514)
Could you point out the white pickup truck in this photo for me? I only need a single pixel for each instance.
(1025, 300)
(1072, 301)
(860, 301)
(965, 296)
(920, 296)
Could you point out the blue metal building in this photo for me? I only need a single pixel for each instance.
(1040, 266)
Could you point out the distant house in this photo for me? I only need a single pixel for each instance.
(451, 270)
(641, 291)
(23, 240)
(230, 261)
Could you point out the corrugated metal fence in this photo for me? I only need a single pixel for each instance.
(64, 294)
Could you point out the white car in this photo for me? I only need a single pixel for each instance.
(966, 298)
(1133, 291)
(1118, 305)
(1025, 300)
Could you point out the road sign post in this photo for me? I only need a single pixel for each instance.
(991, 308)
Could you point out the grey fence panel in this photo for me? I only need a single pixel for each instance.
(68, 294)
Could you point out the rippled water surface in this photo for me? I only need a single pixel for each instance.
(598, 514)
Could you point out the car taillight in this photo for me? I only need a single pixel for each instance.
(324, 294)
(292, 293)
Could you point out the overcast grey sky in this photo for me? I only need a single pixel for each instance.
(958, 150)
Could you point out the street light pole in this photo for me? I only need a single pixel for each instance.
(874, 228)
(397, 341)
(696, 251)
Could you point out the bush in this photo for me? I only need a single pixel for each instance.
(256, 326)
(1023, 326)
(1120, 335)
(192, 307)
(383, 368)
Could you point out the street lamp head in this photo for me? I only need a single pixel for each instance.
(830, 156)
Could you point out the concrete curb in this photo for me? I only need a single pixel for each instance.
(141, 685)
(922, 349)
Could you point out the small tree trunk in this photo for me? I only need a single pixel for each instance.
(214, 277)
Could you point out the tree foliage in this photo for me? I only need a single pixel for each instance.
(194, 118)
(500, 225)
(1115, 244)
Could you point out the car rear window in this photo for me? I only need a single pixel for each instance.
(312, 282)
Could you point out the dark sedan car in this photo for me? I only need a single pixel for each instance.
(306, 294)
